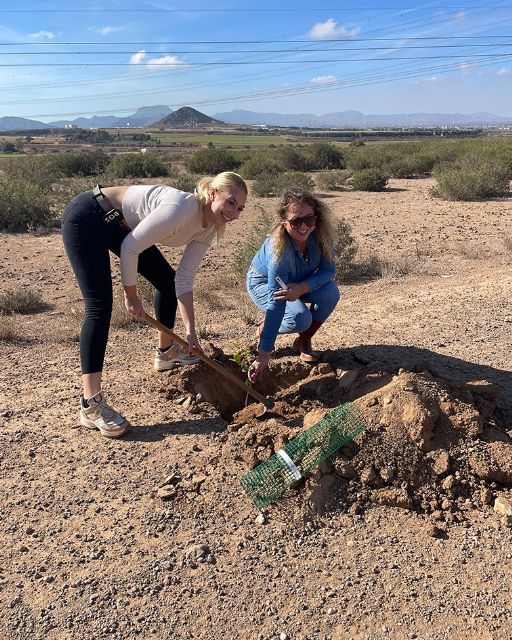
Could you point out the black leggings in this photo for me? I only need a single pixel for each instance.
(88, 240)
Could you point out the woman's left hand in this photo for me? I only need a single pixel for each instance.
(293, 291)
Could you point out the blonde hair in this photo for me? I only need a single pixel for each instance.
(221, 182)
(325, 231)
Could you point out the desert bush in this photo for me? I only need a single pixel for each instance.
(246, 250)
(138, 165)
(401, 168)
(332, 180)
(291, 179)
(507, 243)
(40, 169)
(471, 185)
(8, 147)
(7, 329)
(369, 180)
(264, 185)
(20, 301)
(24, 206)
(345, 250)
(324, 155)
(81, 163)
(211, 161)
(258, 165)
(183, 182)
(288, 158)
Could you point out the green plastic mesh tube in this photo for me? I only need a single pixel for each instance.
(297, 458)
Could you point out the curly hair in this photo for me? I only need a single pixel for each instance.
(324, 227)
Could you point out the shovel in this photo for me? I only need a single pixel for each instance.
(267, 401)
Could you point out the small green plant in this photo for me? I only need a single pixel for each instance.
(244, 357)
(22, 301)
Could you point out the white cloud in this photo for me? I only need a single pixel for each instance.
(104, 31)
(168, 61)
(156, 63)
(461, 15)
(43, 35)
(331, 29)
(138, 57)
(323, 80)
(504, 71)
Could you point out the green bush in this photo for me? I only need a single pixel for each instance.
(245, 252)
(345, 250)
(8, 147)
(257, 165)
(24, 206)
(332, 180)
(292, 179)
(264, 185)
(81, 163)
(471, 185)
(138, 165)
(323, 155)
(288, 158)
(39, 168)
(369, 180)
(184, 182)
(401, 168)
(211, 161)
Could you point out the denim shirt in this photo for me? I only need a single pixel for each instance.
(314, 269)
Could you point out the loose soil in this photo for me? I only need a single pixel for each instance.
(405, 533)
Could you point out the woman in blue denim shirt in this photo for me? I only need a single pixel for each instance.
(294, 268)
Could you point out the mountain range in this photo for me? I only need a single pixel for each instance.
(159, 115)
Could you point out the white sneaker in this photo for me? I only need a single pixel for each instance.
(99, 415)
(174, 356)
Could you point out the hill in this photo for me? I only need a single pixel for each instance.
(186, 117)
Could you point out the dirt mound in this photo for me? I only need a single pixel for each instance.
(430, 445)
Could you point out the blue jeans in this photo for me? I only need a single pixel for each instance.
(297, 316)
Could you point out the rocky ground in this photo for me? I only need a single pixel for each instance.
(406, 533)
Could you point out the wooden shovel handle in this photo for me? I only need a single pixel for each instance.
(211, 363)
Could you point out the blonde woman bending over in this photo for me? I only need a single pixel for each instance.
(129, 221)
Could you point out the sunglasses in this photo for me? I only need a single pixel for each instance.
(309, 221)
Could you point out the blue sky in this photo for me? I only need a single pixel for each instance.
(111, 57)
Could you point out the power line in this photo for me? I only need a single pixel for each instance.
(294, 10)
(238, 52)
(233, 42)
(240, 62)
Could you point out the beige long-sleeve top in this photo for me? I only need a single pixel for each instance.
(164, 215)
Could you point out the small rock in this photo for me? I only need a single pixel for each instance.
(260, 518)
(440, 462)
(283, 636)
(486, 495)
(347, 378)
(503, 506)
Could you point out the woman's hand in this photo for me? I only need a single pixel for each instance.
(293, 291)
(258, 366)
(193, 342)
(134, 307)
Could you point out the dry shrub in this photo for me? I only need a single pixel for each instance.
(470, 251)
(7, 329)
(507, 243)
(373, 266)
(20, 301)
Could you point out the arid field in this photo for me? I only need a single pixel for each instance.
(404, 534)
